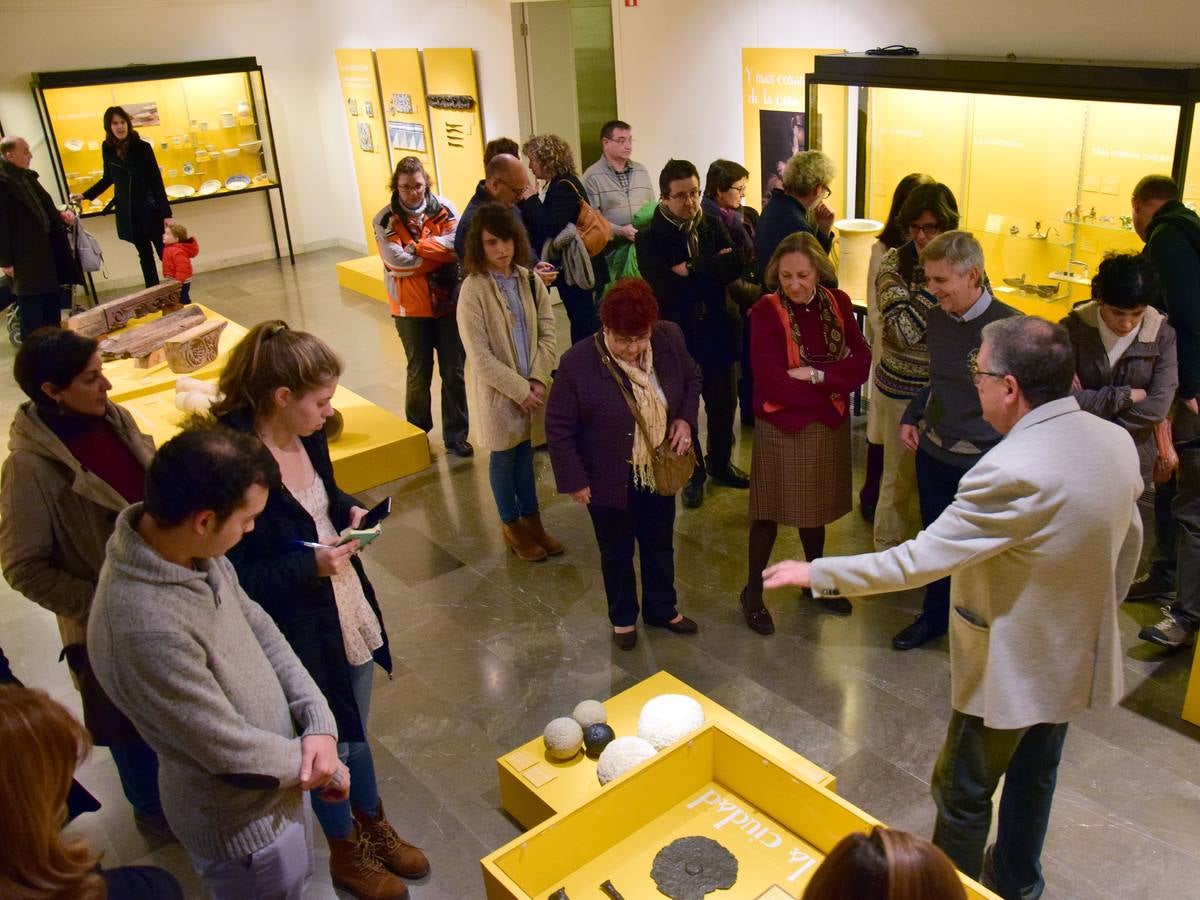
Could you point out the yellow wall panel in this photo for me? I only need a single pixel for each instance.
(402, 85)
(457, 133)
(366, 132)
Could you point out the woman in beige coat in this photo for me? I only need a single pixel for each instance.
(507, 328)
(76, 459)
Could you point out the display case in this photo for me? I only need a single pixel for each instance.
(1041, 154)
(208, 121)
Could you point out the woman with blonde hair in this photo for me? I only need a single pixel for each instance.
(885, 865)
(557, 206)
(278, 384)
(43, 745)
(507, 327)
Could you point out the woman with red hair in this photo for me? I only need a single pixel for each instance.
(604, 460)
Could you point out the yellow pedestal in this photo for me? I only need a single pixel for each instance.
(375, 446)
(1191, 700)
(714, 784)
(128, 381)
(533, 793)
(363, 275)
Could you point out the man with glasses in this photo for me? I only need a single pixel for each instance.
(688, 259)
(505, 181)
(616, 185)
(944, 423)
(1042, 539)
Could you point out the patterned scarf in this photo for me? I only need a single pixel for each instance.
(833, 330)
(652, 408)
(689, 227)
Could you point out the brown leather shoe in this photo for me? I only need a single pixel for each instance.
(521, 543)
(533, 527)
(625, 640)
(758, 619)
(683, 626)
(355, 867)
(392, 850)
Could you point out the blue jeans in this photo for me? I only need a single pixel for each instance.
(513, 484)
(336, 819)
(937, 483)
(137, 765)
(965, 777)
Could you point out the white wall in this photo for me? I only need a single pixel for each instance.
(679, 60)
(294, 42)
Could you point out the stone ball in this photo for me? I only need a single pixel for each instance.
(589, 712)
(622, 755)
(596, 738)
(668, 717)
(563, 737)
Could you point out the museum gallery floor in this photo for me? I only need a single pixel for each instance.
(490, 649)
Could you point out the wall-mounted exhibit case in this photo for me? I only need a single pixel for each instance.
(208, 121)
(1042, 155)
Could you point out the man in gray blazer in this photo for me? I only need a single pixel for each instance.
(1043, 540)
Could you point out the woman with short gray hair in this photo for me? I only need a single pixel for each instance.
(798, 206)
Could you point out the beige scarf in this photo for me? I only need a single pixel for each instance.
(653, 409)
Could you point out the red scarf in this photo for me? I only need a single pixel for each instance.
(833, 327)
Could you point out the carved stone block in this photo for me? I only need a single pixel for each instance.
(194, 348)
(145, 339)
(116, 313)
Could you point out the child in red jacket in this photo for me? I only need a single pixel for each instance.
(178, 251)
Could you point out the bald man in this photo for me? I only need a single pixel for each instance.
(505, 181)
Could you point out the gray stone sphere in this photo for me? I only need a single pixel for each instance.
(563, 737)
(589, 712)
(596, 738)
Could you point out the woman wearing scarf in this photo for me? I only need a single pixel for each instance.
(415, 236)
(604, 461)
(808, 357)
(138, 193)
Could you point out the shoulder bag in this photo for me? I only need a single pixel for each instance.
(671, 470)
(594, 230)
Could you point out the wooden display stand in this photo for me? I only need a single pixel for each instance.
(363, 276)
(533, 793)
(1191, 700)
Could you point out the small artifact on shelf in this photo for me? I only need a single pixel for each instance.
(116, 313)
(560, 894)
(1038, 235)
(197, 347)
(610, 889)
(563, 737)
(688, 868)
(145, 343)
(622, 755)
(1127, 222)
(668, 717)
(596, 738)
(1015, 229)
(589, 712)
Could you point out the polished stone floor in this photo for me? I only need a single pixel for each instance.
(489, 649)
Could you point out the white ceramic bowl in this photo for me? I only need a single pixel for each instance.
(250, 146)
(230, 151)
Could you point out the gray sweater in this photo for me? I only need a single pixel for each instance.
(615, 202)
(214, 688)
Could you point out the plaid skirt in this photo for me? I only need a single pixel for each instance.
(801, 479)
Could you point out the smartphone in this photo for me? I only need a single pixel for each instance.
(376, 514)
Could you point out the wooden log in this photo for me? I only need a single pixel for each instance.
(196, 347)
(116, 313)
(145, 339)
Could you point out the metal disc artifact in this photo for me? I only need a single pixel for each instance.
(691, 867)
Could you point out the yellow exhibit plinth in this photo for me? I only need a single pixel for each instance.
(1191, 700)
(363, 275)
(534, 787)
(128, 381)
(713, 784)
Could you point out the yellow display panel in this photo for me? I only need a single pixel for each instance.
(203, 129)
(1191, 700)
(773, 122)
(366, 131)
(457, 133)
(406, 116)
(1191, 178)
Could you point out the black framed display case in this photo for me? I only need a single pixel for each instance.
(1042, 154)
(208, 121)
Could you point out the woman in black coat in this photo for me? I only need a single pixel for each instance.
(546, 216)
(278, 384)
(139, 196)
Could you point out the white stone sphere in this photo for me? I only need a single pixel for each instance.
(563, 737)
(668, 717)
(622, 755)
(589, 712)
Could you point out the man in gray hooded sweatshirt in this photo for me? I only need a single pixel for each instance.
(206, 675)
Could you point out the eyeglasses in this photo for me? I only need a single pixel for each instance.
(620, 340)
(623, 141)
(977, 373)
(825, 193)
(928, 230)
(690, 195)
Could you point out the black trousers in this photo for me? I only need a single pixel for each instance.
(720, 405)
(937, 483)
(421, 336)
(580, 304)
(39, 310)
(147, 246)
(648, 520)
(1177, 535)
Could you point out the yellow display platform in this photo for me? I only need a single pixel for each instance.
(534, 787)
(713, 784)
(1191, 700)
(375, 446)
(363, 275)
(128, 381)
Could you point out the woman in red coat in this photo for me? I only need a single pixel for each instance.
(807, 356)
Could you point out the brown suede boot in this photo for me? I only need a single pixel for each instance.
(521, 542)
(396, 853)
(533, 527)
(355, 866)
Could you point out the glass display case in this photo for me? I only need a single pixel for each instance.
(208, 122)
(1042, 155)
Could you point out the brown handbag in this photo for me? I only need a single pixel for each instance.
(671, 470)
(1167, 460)
(594, 230)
